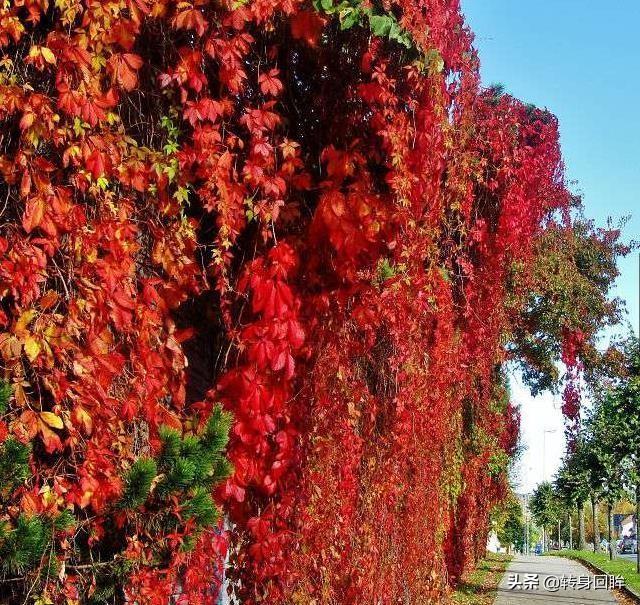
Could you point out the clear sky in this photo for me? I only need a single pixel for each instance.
(580, 59)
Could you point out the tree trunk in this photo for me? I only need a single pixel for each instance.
(559, 541)
(581, 541)
(609, 512)
(596, 528)
(570, 530)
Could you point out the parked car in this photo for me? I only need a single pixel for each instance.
(629, 545)
(538, 549)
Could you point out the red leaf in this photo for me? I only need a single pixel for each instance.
(307, 26)
(233, 491)
(95, 164)
(124, 67)
(191, 19)
(270, 84)
(33, 213)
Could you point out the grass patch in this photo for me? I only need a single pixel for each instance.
(480, 586)
(617, 567)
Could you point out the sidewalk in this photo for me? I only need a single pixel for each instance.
(536, 570)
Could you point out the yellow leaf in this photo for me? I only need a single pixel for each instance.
(48, 56)
(83, 418)
(31, 347)
(24, 320)
(55, 422)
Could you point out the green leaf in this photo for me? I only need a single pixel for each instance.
(380, 24)
(349, 17)
(182, 195)
(434, 61)
(395, 31)
(170, 148)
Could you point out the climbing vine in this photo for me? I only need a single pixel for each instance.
(299, 226)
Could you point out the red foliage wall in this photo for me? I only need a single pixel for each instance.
(346, 206)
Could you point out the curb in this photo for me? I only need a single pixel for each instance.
(626, 590)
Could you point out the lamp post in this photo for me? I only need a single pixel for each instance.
(525, 511)
(544, 452)
(544, 477)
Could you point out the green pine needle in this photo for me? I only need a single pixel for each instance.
(5, 394)
(24, 546)
(14, 464)
(223, 469)
(138, 482)
(181, 476)
(216, 434)
(64, 521)
(171, 444)
(201, 508)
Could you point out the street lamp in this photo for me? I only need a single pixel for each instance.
(527, 520)
(544, 452)
(544, 478)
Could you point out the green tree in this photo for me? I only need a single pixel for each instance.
(569, 292)
(606, 458)
(508, 523)
(624, 415)
(546, 508)
(572, 487)
(605, 427)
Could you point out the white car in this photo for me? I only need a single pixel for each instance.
(629, 545)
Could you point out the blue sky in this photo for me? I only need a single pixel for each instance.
(580, 59)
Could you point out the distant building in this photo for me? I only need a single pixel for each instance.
(493, 544)
(625, 525)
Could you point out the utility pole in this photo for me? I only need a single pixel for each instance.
(525, 502)
(559, 546)
(609, 512)
(596, 528)
(570, 531)
(544, 478)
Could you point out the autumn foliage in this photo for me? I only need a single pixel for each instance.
(308, 212)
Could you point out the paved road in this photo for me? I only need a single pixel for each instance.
(544, 567)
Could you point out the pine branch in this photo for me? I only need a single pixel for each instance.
(138, 483)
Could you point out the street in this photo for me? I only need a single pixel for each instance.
(537, 580)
